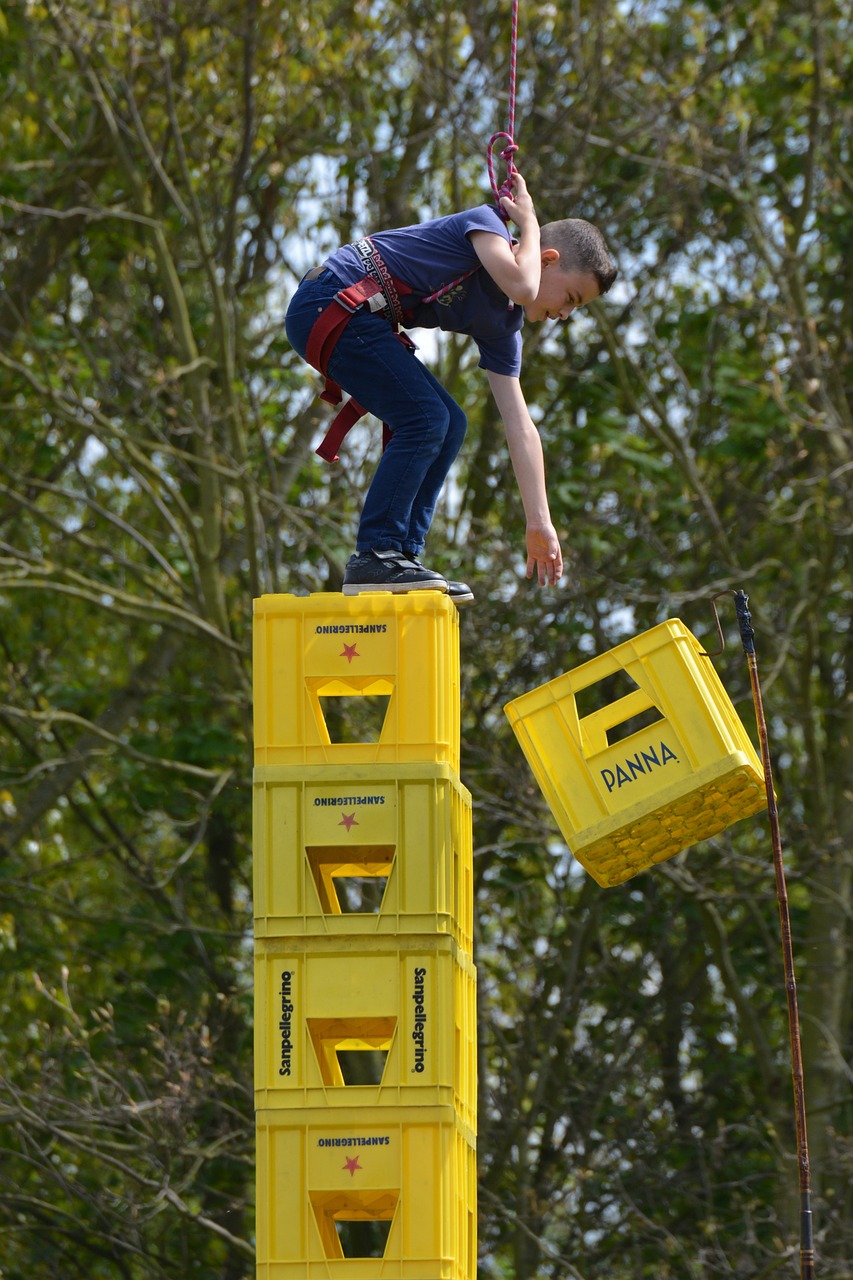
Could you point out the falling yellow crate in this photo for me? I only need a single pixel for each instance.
(368, 679)
(372, 1022)
(368, 850)
(640, 778)
(365, 1195)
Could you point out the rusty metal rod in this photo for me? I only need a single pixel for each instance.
(807, 1256)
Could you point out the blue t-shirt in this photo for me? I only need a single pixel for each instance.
(431, 254)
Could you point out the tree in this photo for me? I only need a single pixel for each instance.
(170, 169)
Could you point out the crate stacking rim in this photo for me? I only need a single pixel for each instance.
(625, 804)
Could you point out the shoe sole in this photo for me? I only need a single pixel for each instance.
(398, 588)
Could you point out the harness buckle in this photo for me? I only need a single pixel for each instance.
(349, 303)
(363, 292)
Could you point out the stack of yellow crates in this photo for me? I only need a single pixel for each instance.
(365, 990)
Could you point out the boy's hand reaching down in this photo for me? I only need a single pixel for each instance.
(544, 554)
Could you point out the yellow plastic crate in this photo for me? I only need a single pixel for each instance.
(376, 1022)
(361, 1195)
(319, 660)
(362, 850)
(624, 804)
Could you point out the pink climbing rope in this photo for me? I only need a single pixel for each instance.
(510, 149)
(507, 154)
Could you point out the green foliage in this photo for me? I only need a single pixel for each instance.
(169, 171)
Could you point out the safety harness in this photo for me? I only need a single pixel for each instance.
(378, 291)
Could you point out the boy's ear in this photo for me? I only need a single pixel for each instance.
(550, 256)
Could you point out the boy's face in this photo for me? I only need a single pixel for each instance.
(560, 292)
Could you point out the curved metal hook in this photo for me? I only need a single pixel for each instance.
(717, 652)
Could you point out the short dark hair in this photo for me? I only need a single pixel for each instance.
(581, 246)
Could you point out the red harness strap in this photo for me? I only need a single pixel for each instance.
(326, 330)
(329, 326)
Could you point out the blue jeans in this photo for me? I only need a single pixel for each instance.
(427, 424)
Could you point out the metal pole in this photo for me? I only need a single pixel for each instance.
(807, 1258)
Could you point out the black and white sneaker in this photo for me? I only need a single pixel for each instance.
(388, 571)
(459, 592)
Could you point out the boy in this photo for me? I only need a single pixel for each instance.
(464, 274)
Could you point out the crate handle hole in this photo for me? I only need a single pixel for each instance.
(360, 895)
(354, 718)
(634, 724)
(362, 1066)
(595, 697)
(352, 1051)
(613, 709)
(363, 1239)
(357, 1224)
(351, 879)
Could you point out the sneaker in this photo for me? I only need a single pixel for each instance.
(388, 571)
(459, 592)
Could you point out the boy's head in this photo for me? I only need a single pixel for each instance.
(576, 267)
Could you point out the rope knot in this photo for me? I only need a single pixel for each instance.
(507, 155)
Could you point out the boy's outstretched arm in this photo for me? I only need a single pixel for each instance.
(525, 451)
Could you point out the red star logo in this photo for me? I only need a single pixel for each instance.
(348, 821)
(351, 1165)
(349, 653)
